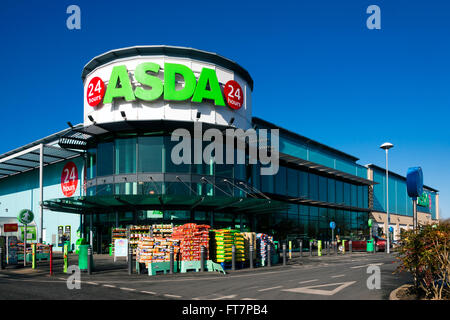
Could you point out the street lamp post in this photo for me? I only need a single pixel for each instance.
(386, 146)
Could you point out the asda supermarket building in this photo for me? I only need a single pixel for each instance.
(115, 169)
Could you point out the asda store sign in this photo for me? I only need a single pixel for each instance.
(206, 88)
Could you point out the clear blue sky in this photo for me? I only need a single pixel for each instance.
(317, 69)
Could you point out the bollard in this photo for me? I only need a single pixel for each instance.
(202, 258)
(310, 248)
(269, 258)
(350, 247)
(171, 260)
(2, 265)
(251, 256)
(233, 257)
(66, 258)
(89, 260)
(51, 259)
(328, 247)
(343, 246)
(284, 254)
(33, 255)
(301, 247)
(130, 260)
(319, 248)
(290, 249)
(335, 247)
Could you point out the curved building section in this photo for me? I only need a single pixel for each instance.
(163, 107)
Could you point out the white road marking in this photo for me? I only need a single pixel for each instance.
(338, 276)
(308, 281)
(93, 283)
(127, 289)
(311, 290)
(109, 286)
(226, 297)
(267, 289)
(248, 299)
(366, 265)
(172, 296)
(148, 292)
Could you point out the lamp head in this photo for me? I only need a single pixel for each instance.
(386, 146)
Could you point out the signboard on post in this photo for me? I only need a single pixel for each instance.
(26, 217)
(60, 236)
(10, 227)
(414, 184)
(31, 233)
(120, 248)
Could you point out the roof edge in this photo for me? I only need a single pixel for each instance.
(371, 165)
(308, 140)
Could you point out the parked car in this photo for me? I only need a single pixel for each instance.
(361, 245)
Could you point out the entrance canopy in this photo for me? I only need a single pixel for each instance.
(112, 203)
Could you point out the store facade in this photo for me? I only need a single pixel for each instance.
(123, 170)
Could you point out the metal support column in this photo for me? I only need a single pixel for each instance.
(91, 234)
(41, 189)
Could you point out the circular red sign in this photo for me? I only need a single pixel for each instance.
(69, 179)
(233, 94)
(95, 91)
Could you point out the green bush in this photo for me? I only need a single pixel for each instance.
(424, 253)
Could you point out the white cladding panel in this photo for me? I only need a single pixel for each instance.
(168, 110)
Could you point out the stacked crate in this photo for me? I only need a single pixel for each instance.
(192, 237)
(239, 244)
(263, 240)
(221, 245)
(151, 249)
(162, 230)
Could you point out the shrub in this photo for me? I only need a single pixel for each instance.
(424, 253)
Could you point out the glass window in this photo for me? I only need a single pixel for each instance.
(105, 157)
(150, 154)
(339, 192)
(331, 190)
(126, 188)
(354, 196)
(303, 184)
(365, 196)
(347, 195)
(292, 182)
(267, 183)
(125, 155)
(169, 165)
(104, 189)
(280, 181)
(313, 186)
(323, 188)
(91, 163)
(150, 188)
(314, 213)
(360, 197)
(304, 210)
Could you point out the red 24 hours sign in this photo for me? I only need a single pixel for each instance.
(95, 91)
(233, 94)
(69, 179)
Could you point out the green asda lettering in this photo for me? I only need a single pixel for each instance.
(207, 87)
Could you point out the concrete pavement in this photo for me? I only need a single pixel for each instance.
(327, 277)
